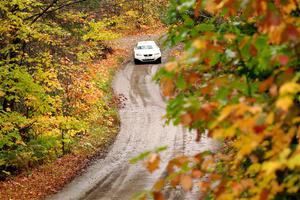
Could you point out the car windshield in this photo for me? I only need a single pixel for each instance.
(145, 47)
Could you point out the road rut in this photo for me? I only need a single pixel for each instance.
(142, 128)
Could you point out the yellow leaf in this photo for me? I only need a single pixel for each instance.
(2, 93)
(270, 167)
(289, 7)
(294, 161)
(296, 120)
(289, 88)
(199, 44)
(253, 169)
(270, 118)
(226, 112)
(284, 103)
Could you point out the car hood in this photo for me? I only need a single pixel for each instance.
(147, 51)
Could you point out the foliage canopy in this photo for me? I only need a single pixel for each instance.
(52, 91)
(239, 79)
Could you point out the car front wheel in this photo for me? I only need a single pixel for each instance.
(158, 60)
(136, 61)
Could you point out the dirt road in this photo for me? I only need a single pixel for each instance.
(142, 128)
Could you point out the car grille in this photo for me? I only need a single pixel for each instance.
(146, 55)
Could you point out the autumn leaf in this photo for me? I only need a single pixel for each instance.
(283, 59)
(170, 66)
(230, 36)
(266, 84)
(291, 33)
(197, 173)
(159, 185)
(153, 162)
(186, 119)
(158, 196)
(289, 88)
(259, 128)
(264, 194)
(193, 78)
(253, 50)
(199, 44)
(186, 182)
(284, 103)
(204, 186)
(273, 90)
(175, 180)
(168, 87)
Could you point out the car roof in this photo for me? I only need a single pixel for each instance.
(141, 43)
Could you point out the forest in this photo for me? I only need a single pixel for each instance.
(53, 93)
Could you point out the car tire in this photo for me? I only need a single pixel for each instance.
(158, 61)
(136, 61)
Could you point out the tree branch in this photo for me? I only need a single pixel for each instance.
(37, 16)
(49, 10)
(65, 5)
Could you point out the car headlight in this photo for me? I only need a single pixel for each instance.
(138, 54)
(157, 54)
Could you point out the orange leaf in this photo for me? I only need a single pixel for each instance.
(186, 119)
(170, 66)
(266, 84)
(214, 177)
(201, 115)
(186, 182)
(197, 8)
(204, 186)
(180, 161)
(230, 36)
(264, 194)
(170, 167)
(153, 163)
(253, 50)
(175, 181)
(168, 87)
(158, 196)
(159, 185)
(221, 189)
(207, 89)
(196, 173)
(193, 78)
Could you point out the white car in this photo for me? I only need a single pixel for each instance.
(147, 51)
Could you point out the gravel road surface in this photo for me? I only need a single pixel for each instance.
(142, 128)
